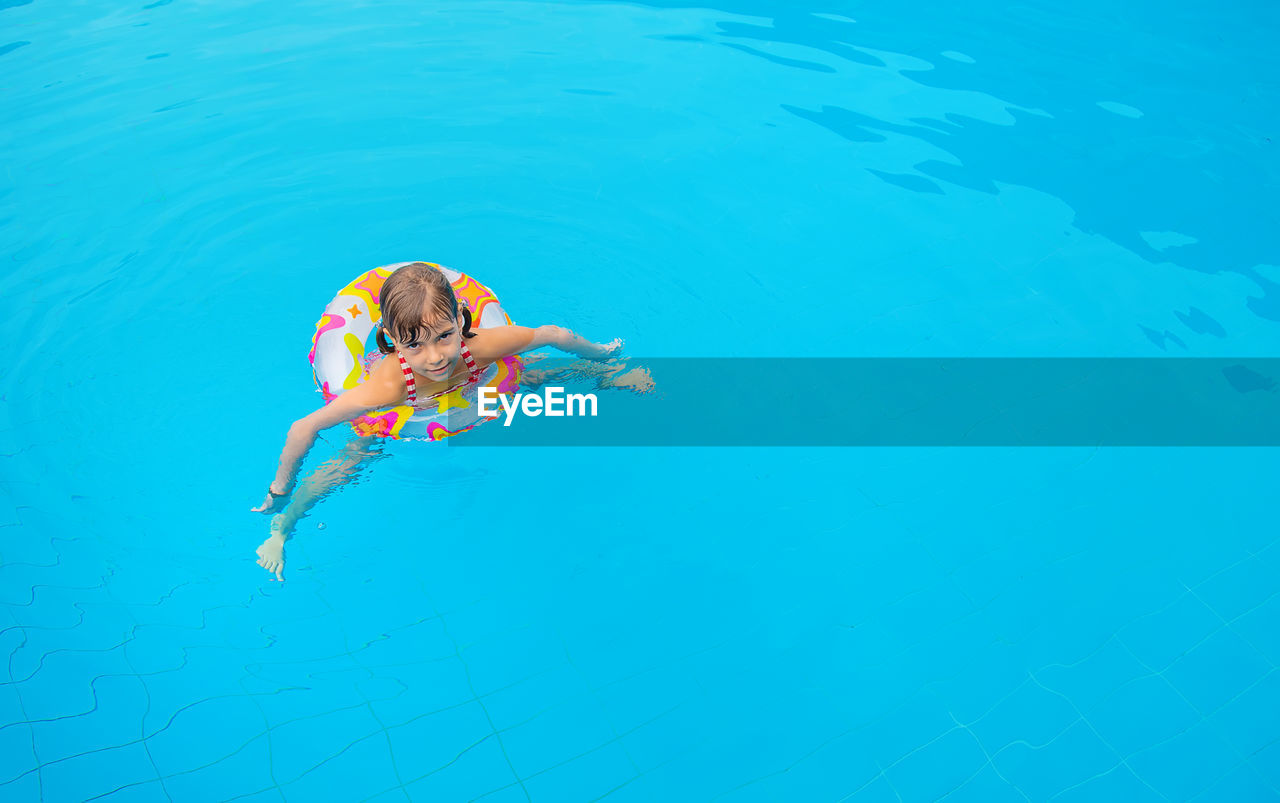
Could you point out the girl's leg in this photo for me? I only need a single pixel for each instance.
(609, 374)
(328, 477)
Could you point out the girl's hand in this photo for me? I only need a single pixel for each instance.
(271, 553)
(272, 504)
(611, 349)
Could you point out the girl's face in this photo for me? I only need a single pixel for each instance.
(435, 352)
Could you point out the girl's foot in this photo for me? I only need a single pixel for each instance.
(638, 380)
(271, 555)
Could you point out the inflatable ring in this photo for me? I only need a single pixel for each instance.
(343, 351)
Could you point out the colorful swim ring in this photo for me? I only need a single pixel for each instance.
(343, 350)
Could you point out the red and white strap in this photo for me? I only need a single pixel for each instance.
(408, 379)
(466, 356)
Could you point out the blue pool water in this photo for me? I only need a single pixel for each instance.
(186, 184)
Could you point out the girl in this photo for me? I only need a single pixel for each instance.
(431, 349)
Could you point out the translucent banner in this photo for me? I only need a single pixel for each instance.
(891, 402)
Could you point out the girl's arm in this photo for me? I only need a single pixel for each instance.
(503, 341)
(573, 343)
(374, 393)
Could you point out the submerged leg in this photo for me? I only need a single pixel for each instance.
(613, 373)
(328, 477)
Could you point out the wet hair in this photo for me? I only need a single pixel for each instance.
(415, 299)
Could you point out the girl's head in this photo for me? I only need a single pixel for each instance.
(420, 318)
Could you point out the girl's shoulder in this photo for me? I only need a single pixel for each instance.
(385, 380)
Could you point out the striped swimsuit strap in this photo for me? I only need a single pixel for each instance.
(412, 386)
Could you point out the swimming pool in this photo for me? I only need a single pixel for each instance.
(187, 184)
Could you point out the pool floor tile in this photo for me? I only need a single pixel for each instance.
(432, 742)
(478, 769)
(91, 774)
(1042, 772)
(1187, 764)
(1217, 670)
(584, 778)
(1140, 713)
(248, 768)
